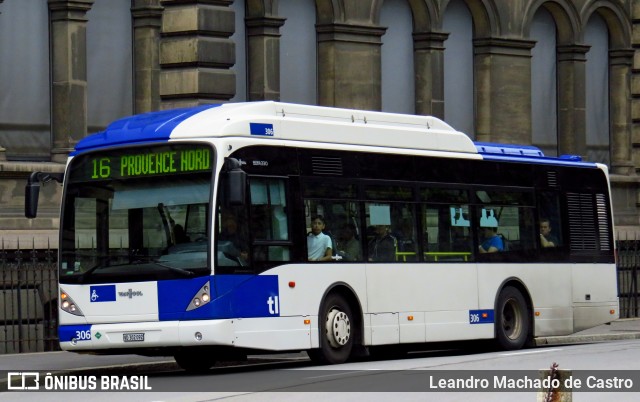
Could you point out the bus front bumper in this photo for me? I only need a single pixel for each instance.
(274, 333)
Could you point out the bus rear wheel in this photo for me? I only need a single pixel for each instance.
(512, 319)
(336, 331)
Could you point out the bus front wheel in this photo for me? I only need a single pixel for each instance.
(512, 319)
(336, 331)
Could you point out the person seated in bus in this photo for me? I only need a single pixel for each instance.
(348, 246)
(547, 239)
(318, 243)
(237, 246)
(404, 236)
(383, 246)
(492, 242)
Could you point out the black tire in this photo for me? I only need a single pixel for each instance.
(336, 330)
(513, 319)
(194, 361)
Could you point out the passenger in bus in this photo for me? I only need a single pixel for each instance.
(318, 243)
(492, 241)
(404, 236)
(229, 233)
(383, 246)
(348, 246)
(547, 239)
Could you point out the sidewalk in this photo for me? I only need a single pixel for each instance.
(626, 328)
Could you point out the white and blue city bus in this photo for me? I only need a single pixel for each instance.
(184, 233)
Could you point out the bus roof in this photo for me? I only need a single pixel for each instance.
(284, 121)
(287, 121)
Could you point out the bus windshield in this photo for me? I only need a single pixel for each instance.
(137, 214)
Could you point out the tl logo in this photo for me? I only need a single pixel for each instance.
(272, 302)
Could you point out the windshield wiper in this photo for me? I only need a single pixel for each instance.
(91, 270)
(173, 269)
(102, 264)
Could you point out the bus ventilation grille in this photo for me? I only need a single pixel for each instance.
(552, 178)
(326, 166)
(588, 222)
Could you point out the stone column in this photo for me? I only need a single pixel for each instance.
(68, 74)
(349, 65)
(3, 150)
(428, 61)
(147, 22)
(503, 66)
(263, 41)
(196, 53)
(572, 131)
(620, 61)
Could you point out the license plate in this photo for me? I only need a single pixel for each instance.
(134, 337)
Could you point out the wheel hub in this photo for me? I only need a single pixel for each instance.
(512, 319)
(338, 328)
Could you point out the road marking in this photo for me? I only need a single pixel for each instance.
(340, 374)
(530, 352)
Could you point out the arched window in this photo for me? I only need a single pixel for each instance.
(25, 119)
(398, 93)
(458, 68)
(544, 92)
(109, 63)
(298, 67)
(597, 90)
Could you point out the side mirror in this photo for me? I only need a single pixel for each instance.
(32, 191)
(31, 194)
(235, 188)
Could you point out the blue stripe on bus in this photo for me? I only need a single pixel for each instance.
(232, 296)
(538, 161)
(66, 333)
(481, 317)
(525, 153)
(147, 127)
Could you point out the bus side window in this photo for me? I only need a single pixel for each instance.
(447, 236)
(549, 220)
(341, 225)
(269, 221)
(446, 225)
(403, 228)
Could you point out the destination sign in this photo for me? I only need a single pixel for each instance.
(143, 162)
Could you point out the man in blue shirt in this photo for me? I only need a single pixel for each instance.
(492, 242)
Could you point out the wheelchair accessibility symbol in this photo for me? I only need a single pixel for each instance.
(94, 295)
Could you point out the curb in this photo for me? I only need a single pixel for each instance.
(563, 340)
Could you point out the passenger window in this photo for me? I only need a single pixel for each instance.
(549, 221)
(447, 233)
(506, 222)
(391, 232)
(447, 225)
(269, 221)
(341, 224)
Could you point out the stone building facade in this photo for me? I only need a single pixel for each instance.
(187, 52)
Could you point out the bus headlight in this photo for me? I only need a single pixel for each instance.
(201, 298)
(67, 304)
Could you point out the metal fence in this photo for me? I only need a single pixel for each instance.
(628, 272)
(29, 311)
